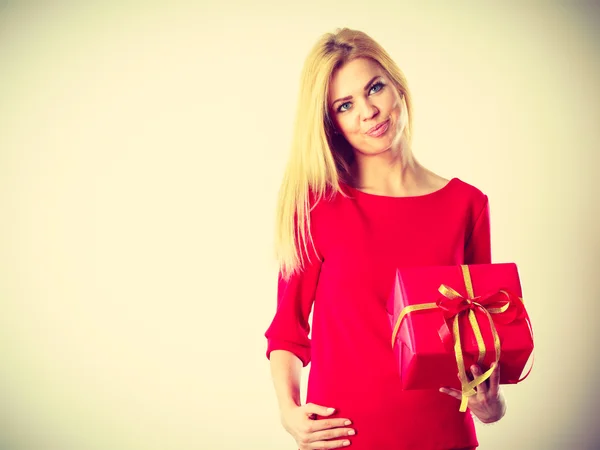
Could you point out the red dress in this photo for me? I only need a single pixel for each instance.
(360, 241)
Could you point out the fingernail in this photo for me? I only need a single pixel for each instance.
(346, 443)
(330, 410)
(351, 432)
(347, 422)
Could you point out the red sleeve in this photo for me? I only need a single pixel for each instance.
(478, 246)
(289, 329)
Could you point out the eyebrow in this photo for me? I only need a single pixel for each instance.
(350, 97)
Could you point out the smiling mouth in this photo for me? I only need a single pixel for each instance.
(379, 128)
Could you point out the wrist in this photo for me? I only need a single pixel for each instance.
(288, 404)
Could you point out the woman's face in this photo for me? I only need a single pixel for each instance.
(366, 107)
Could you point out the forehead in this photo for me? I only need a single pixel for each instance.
(350, 79)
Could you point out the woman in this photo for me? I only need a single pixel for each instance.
(355, 204)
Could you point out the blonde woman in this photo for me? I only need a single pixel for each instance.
(354, 205)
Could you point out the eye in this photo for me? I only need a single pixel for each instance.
(376, 88)
(344, 107)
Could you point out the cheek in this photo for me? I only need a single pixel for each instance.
(398, 112)
(349, 124)
(402, 114)
(397, 107)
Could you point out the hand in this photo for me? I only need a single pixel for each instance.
(488, 405)
(315, 434)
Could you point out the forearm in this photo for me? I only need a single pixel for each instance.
(286, 370)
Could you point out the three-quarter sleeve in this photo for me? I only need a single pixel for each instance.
(478, 244)
(289, 329)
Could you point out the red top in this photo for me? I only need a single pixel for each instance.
(360, 242)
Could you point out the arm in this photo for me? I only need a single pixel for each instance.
(296, 419)
(286, 370)
(289, 349)
(488, 405)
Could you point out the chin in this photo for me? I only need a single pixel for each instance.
(374, 151)
(381, 148)
(381, 145)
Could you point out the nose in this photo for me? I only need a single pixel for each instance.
(368, 110)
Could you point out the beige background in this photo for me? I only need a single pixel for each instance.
(141, 149)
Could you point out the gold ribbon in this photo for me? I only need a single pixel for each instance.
(461, 305)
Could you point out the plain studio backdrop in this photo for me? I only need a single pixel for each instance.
(141, 150)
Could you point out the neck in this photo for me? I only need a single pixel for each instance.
(395, 172)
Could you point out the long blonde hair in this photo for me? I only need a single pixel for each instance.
(319, 158)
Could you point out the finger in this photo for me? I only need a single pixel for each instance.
(495, 380)
(483, 387)
(311, 408)
(452, 393)
(325, 439)
(328, 444)
(331, 434)
(313, 426)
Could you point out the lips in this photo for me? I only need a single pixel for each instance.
(378, 129)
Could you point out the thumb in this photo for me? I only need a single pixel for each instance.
(311, 408)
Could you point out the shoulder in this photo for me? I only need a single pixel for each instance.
(471, 196)
(322, 204)
(460, 189)
(462, 192)
(325, 209)
(469, 191)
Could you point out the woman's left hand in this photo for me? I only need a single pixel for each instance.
(488, 405)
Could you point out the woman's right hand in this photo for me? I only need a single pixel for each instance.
(316, 434)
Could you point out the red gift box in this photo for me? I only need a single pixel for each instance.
(444, 319)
